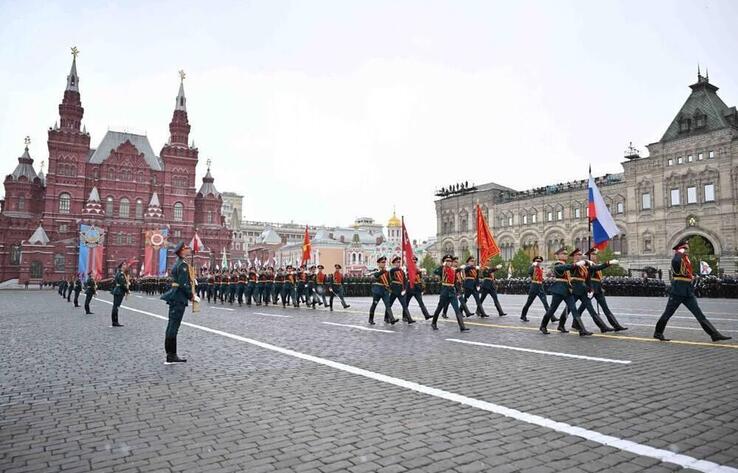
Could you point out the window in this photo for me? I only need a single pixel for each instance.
(178, 212)
(680, 160)
(177, 233)
(534, 218)
(699, 121)
(684, 125)
(65, 203)
(109, 205)
(15, 254)
(691, 195)
(125, 208)
(63, 228)
(689, 158)
(577, 212)
(59, 262)
(210, 216)
(139, 209)
(129, 238)
(647, 245)
(669, 162)
(525, 219)
(710, 155)
(549, 216)
(37, 269)
(709, 192)
(620, 207)
(559, 214)
(700, 156)
(675, 197)
(21, 203)
(645, 201)
(510, 221)
(111, 174)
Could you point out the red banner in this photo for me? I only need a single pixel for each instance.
(306, 247)
(407, 251)
(485, 240)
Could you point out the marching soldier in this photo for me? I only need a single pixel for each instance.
(471, 279)
(90, 291)
(288, 288)
(62, 289)
(488, 288)
(70, 288)
(77, 290)
(225, 282)
(682, 292)
(268, 285)
(177, 297)
(398, 284)
(336, 287)
(448, 293)
(459, 289)
(321, 283)
(251, 286)
(233, 286)
(535, 273)
(417, 291)
(260, 281)
(242, 280)
(120, 290)
(216, 286)
(310, 288)
(561, 292)
(278, 284)
(380, 290)
(209, 288)
(578, 278)
(594, 281)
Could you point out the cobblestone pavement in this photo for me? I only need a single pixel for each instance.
(272, 389)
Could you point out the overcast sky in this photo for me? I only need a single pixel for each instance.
(322, 111)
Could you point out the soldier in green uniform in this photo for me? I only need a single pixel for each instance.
(535, 273)
(398, 286)
(682, 292)
(448, 295)
(578, 279)
(561, 292)
(488, 287)
(277, 286)
(288, 289)
(178, 296)
(594, 282)
(469, 286)
(233, 286)
(241, 290)
(251, 286)
(90, 291)
(336, 287)
(120, 290)
(380, 291)
(416, 291)
(77, 290)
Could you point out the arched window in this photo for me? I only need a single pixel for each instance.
(125, 208)
(59, 262)
(109, 205)
(178, 212)
(448, 248)
(111, 174)
(15, 254)
(21, 203)
(210, 216)
(65, 203)
(139, 209)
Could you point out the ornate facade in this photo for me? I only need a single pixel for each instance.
(688, 185)
(121, 187)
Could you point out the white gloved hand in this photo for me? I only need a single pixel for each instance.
(499, 266)
(589, 261)
(196, 298)
(614, 261)
(680, 250)
(478, 268)
(581, 263)
(535, 263)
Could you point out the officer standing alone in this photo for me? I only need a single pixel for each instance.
(178, 296)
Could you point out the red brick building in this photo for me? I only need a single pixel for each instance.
(121, 187)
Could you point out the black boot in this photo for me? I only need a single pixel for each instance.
(524, 318)
(719, 336)
(660, 336)
(170, 345)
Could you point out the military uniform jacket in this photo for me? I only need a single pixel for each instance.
(681, 284)
(471, 276)
(535, 273)
(448, 277)
(488, 278)
(242, 279)
(381, 279)
(78, 286)
(320, 279)
(579, 275)
(120, 287)
(561, 285)
(595, 277)
(181, 290)
(289, 278)
(337, 279)
(398, 281)
(419, 284)
(90, 286)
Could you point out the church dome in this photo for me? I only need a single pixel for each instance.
(394, 221)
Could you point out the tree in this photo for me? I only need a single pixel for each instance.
(464, 255)
(494, 261)
(701, 250)
(429, 264)
(615, 270)
(520, 264)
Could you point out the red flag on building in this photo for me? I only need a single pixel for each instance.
(485, 241)
(407, 251)
(306, 247)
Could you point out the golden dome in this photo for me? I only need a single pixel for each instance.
(394, 221)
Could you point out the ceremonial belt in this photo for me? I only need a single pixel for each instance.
(175, 284)
(595, 279)
(378, 284)
(397, 282)
(448, 285)
(489, 279)
(468, 278)
(680, 278)
(537, 282)
(561, 280)
(578, 279)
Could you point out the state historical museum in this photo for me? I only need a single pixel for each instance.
(96, 207)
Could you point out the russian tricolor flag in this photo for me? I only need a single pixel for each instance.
(603, 226)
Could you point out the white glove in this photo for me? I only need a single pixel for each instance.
(535, 263)
(196, 298)
(402, 293)
(614, 261)
(581, 263)
(478, 268)
(680, 250)
(499, 266)
(591, 262)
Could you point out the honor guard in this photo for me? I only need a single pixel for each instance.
(471, 279)
(488, 287)
(321, 285)
(233, 286)
(535, 273)
(278, 284)
(288, 288)
(398, 285)
(120, 290)
(225, 281)
(77, 290)
(241, 289)
(261, 279)
(336, 287)
(448, 293)
(416, 291)
(268, 285)
(61, 290)
(70, 288)
(90, 291)
(459, 289)
(211, 283)
(594, 283)
(578, 278)
(381, 290)
(561, 292)
(216, 286)
(177, 297)
(251, 286)
(682, 292)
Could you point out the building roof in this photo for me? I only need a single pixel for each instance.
(702, 101)
(394, 221)
(269, 237)
(73, 78)
(207, 186)
(39, 237)
(181, 99)
(24, 167)
(113, 139)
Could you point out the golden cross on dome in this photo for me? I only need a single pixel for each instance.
(208, 162)
(75, 52)
(182, 75)
(27, 141)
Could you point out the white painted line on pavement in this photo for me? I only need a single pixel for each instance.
(223, 308)
(136, 295)
(360, 327)
(542, 352)
(271, 315)
(680, 328)
(685, 461)
(152, 298)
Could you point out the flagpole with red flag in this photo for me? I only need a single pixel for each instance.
(407, 253)
(485, 240)
(306, 247)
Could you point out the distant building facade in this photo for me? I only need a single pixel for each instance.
(688, 185)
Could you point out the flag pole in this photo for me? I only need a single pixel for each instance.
(402, 238)
(479, 263)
